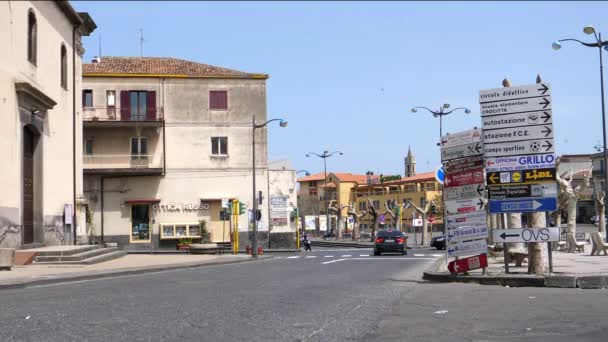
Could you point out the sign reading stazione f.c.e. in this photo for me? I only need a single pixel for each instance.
(491, 136)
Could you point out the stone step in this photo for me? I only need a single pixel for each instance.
(107, 256)
(67, 252)
(74, 257)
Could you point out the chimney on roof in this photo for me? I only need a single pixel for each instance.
(96, 60)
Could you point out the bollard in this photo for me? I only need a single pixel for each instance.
(260, 250)
(248, 249)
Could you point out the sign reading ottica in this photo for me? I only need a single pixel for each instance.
(180, 206)
(538, 161)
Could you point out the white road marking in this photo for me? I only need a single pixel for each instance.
(346, 256)
(365, 255)
(438, 255)
(332, 261)
(376, 258)
(293, 257)
(310, 256)
(328, 256)
(418, 255)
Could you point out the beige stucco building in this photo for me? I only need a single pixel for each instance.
(40, 87)
(166, 141)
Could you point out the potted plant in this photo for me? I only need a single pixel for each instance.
(183, 244)
(202, 224)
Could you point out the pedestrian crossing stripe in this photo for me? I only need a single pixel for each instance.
(310, 256)
(293, 257)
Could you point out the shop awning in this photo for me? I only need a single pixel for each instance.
(142, 201)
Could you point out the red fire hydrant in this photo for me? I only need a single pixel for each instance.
(260, 250)
(248, 249)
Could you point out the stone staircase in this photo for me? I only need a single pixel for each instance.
(78, 255)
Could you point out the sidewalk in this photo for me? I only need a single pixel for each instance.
(23, 276)
(569, 270)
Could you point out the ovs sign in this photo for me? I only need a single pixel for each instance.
(181, 207)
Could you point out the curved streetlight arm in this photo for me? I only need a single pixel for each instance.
(466, 110)
(598, 44)
(331, 154)
(318, 155)
(431, 111)
(267, 122)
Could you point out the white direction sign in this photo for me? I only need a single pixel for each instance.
(467, 233)
(472, 219)
(526, 235)
(517, 134)
(538, 161)
(464, 192)
(517, 148)
(544, 117)
(510, 93)
(464, 205)
(515, 106)
(461, 138)
(461, 151)
(468, 248)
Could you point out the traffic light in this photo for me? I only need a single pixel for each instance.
(293, 215)
(228, 210)
(242, 208)
(258, 215)
(433, 209)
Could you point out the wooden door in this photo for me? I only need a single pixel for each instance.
(28, 186)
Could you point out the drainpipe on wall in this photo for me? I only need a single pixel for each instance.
(101, 195)
(74, 222)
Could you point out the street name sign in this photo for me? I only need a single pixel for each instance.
(515, 148)
(467, 233)
(521, 177)
(465, 178)
(471, 219)
(523, 205)
(468, 264)
(510, 93)
(461, 151)
(544, 117)
(461, 138)
(491, 136)
(522, 191)
(468, 248)
(547, 234)
(463, 192)
(538, 161)
(464, 205)
(464, 164)
(533, 104)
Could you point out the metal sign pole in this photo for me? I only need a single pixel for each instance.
(549, 245)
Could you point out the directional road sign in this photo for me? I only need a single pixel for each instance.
(533, 104)
(440, 175)
(521, 177)
(538, 161)
(518, 148)
(491, 136)
(522, 191)
(468, 248)
(526, 235)
(464, 205)
(463, 192)
(461, 151)
(471, 219)
(468, 264)
(501, 94)
(464, 164)
(544, 117)
(464, 178)
(523, 205)
(461, 138)
(467, 233)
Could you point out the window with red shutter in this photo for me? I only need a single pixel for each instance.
(151, 114)
(218, 100)
(125, 110)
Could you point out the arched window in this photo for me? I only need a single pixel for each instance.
(64, 67)
(32, 36)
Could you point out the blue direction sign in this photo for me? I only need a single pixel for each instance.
(523, 205)
(440, 174)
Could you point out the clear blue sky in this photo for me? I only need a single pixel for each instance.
(346, 74)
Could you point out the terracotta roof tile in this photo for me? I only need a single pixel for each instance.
(314, 177)
(161, 66)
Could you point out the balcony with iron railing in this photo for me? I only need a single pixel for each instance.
(127, 164)
(112, 116)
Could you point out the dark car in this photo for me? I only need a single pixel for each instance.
(390, 241)
(438, 242)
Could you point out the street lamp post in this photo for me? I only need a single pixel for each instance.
(441, 113)
(325, 155)
(254, 241)
(599, 43)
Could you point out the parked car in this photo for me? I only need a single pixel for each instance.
(596, 220)
(438, 242)
(390, 240)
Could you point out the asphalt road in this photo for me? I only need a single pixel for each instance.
(326, 295)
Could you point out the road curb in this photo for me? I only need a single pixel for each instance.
(24, 283)
(559, 281)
